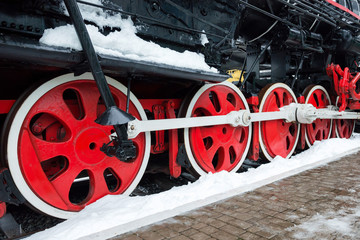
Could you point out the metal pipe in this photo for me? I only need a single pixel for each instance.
(128, 94)
(92, 58)
(254, 63)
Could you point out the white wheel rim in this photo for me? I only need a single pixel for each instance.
(188, 149)
(317, 87)
(261, 142)
(12, 152)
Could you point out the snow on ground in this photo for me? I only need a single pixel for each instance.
(339, 224)
(124, 43)
(112, 211)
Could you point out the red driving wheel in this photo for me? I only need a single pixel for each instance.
(277, 137)
(57, 145)
(321, 128)
(221, 147)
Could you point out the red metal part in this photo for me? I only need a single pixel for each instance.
(320, 128)
(355, 105)
(165, 108)
(343, 8)
(174, 167)
(42, 123)
(5, 106)
(158, 108)
(345, 86)
(148, 104)
(344, 127)
(220, 147)
(354, 94)
(2, 209)
(254, 147)
(279, 137)
(159, 146)
(73, 147)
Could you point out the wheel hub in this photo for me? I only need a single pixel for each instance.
(88, 143)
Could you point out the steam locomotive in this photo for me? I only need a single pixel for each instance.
(77, 117)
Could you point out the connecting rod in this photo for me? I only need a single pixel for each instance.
(301, 113)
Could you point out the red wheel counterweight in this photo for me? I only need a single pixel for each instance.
(277, 137)
(321, 128)
(58, 146)
(221, 147)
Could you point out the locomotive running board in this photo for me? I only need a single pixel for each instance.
(18, 51)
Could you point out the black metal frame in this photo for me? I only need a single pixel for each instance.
(8, 190)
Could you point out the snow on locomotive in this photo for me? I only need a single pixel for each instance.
(96, 112)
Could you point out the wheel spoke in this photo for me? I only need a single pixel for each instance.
(64, 181)
(279, 96)
(321, 99)
(124, 171)
(98, 186)
(207, 105)
(59, 110)
(224, 159)
(225, 105)
(46, 150)
(89, 99)
(211, 152)
(208, 132)
(238, 148)
(238, 143)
